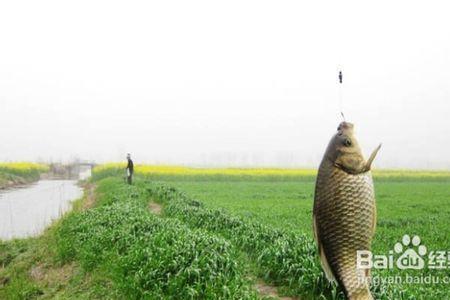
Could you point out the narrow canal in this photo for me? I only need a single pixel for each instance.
(28, 211)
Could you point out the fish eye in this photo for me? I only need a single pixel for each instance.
(347, 142)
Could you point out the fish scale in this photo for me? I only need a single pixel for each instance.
(346, 202)
(344, 222)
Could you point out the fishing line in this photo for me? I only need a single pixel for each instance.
(341, 96)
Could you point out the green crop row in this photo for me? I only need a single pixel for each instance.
(148, 257)
(283, 257)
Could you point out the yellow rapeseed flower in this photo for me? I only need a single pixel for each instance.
(261, 172)
(24, 166)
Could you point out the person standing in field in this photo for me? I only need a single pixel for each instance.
(130, 169)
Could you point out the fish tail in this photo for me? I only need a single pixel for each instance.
(361, 295)
(360, 290)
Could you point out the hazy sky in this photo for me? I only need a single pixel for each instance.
(224, 82)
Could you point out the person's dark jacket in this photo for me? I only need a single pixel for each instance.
(130, 166)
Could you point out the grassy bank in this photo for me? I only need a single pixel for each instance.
(12, 174)
(119, 243)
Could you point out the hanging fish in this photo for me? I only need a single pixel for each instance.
(344, 214)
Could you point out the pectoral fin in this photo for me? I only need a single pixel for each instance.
(371, 158)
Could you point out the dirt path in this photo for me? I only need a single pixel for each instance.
(266, 290)
(89, 201)
(155, 207)
(50, 275)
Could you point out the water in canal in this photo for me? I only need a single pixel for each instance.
(28, 211)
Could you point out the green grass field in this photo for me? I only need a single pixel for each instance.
(404, 207)
(216, 237)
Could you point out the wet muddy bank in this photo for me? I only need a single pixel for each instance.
(11, 181)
